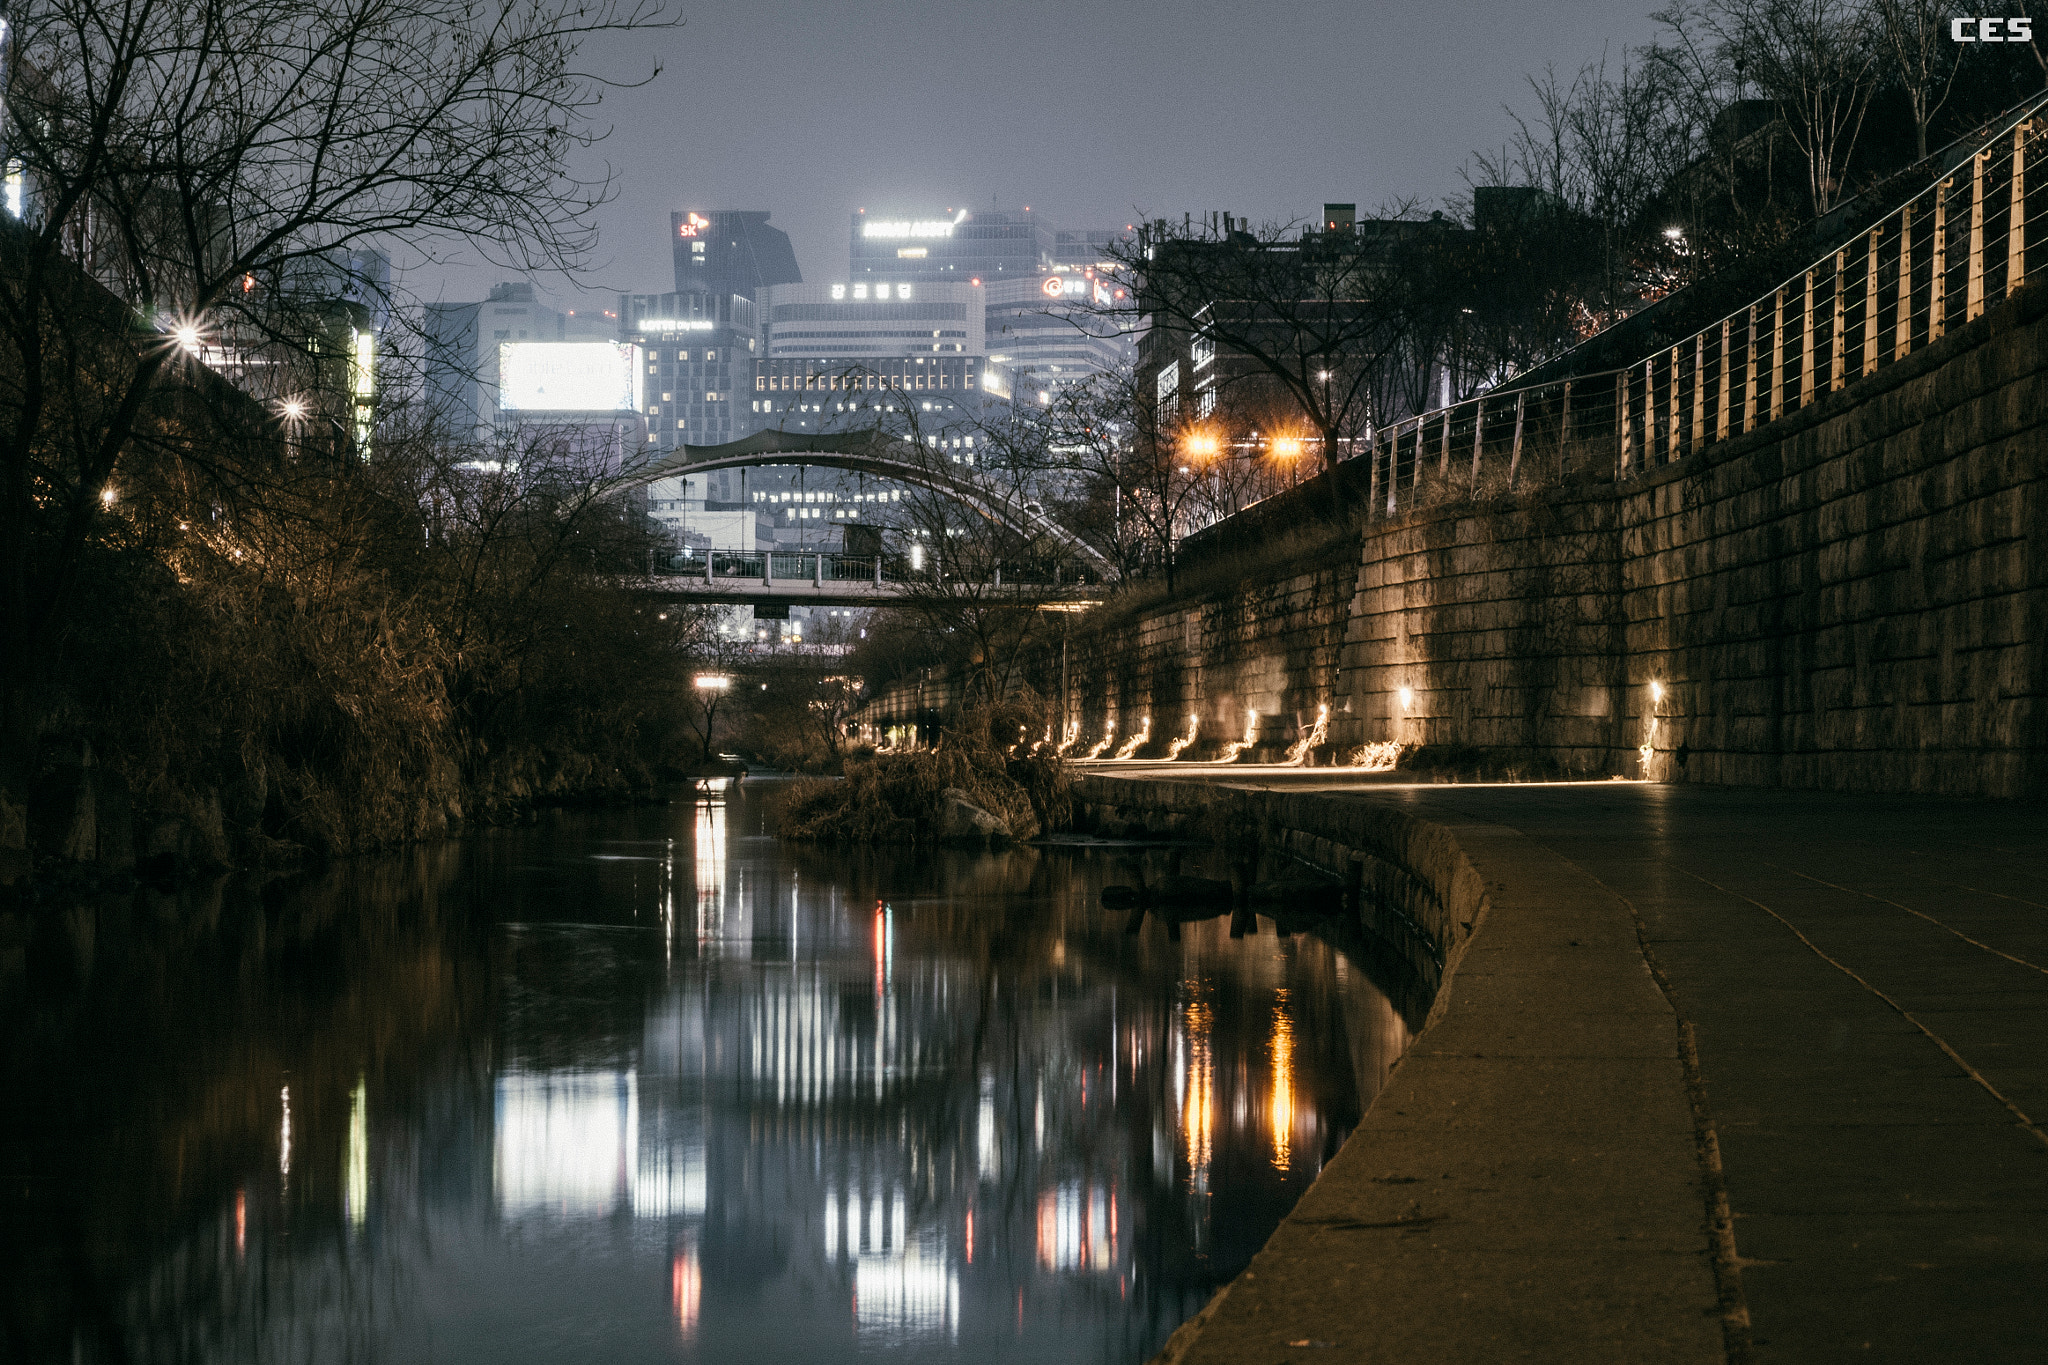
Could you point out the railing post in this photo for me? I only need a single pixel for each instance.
(1838, 355)
(1649, 411)
(1478, 435)
(1778, 354)
(2016, 218)
(878, 571)
(1937, 298)
(1806, 343)
(1677, 425)
(1443, 471)
(1973, 297)
(818, 569)
(708, 553)
(1749, 371)
(1621, 422)
(768, 568)
(1721, 383)
(1699, 390)
(1902, 325)
(1372, 475)
(1515, 451)
(1394, 468)
(1564, 427)
(1870, 303)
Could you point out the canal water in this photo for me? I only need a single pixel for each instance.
(653, 1085)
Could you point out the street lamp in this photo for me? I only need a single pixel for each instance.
(1201, 447)
(713, 682)
(1285, 448)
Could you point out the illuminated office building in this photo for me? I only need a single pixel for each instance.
(873, 317)
(1056, 329)
(699, 352)
(730, 251)
(955, 244)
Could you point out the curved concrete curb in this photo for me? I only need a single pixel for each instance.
(1528, 1184)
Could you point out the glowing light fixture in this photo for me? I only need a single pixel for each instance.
(712, 682)
(1407, 698)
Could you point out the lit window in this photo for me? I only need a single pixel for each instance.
(838, 291)
(860, 291)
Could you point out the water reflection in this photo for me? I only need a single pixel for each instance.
(655, 1086)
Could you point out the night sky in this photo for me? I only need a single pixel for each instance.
(1095, 113)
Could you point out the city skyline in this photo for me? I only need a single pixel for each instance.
(1198, 120)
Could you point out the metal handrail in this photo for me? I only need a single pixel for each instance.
(1935, 261)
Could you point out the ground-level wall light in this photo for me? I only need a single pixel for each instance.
(1656, 691)
(106, 497)
(1407, 698)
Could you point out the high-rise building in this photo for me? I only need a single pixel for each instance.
(958, 245)
(730, 251)
(699, 348)
(1056, 329)
(868, 317)
(462, 353)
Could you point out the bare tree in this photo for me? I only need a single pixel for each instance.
(1924, 58)
(1817, 59)
(196, 175)
(1299, 316)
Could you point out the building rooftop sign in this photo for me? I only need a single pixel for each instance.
(912, 227)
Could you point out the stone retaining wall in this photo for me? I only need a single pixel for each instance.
(1854, 597)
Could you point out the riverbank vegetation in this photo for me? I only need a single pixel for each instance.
(991, 755)
(256, 599)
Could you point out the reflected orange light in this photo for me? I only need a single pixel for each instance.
(685, 1287)
(1198, 1111)
(970, 1236)
(241, 1222)
(1283, 1082)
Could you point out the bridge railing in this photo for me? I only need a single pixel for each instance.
(1970, 238)
(820, 568)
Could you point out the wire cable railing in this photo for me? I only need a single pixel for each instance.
(1934, 263)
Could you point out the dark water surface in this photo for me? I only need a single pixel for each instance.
(652, 1085)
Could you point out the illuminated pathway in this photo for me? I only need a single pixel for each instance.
(1832, 1007)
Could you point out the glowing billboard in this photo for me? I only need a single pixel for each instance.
(568, 376)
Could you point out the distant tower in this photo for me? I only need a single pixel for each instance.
(730, 251)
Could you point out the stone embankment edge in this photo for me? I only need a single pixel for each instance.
(1555, 1290)
(1412, 885)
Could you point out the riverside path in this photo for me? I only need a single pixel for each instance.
(1721, 1074)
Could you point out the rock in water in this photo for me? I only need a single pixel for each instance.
(963, 822)
(1121, 897)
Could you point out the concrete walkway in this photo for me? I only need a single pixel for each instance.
(1824, 1015)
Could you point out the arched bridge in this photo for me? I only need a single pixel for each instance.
(884, 456)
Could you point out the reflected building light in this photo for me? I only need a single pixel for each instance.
(723, 928)
(566, 1142)
(987, 1140)
(1198, 1111)
(241, 1223)
(670, 1181)
(686, 1287)
(904, 1299)
(357, 1196)
(284, 1143)
(1077, 1228)
(1283, 1082)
